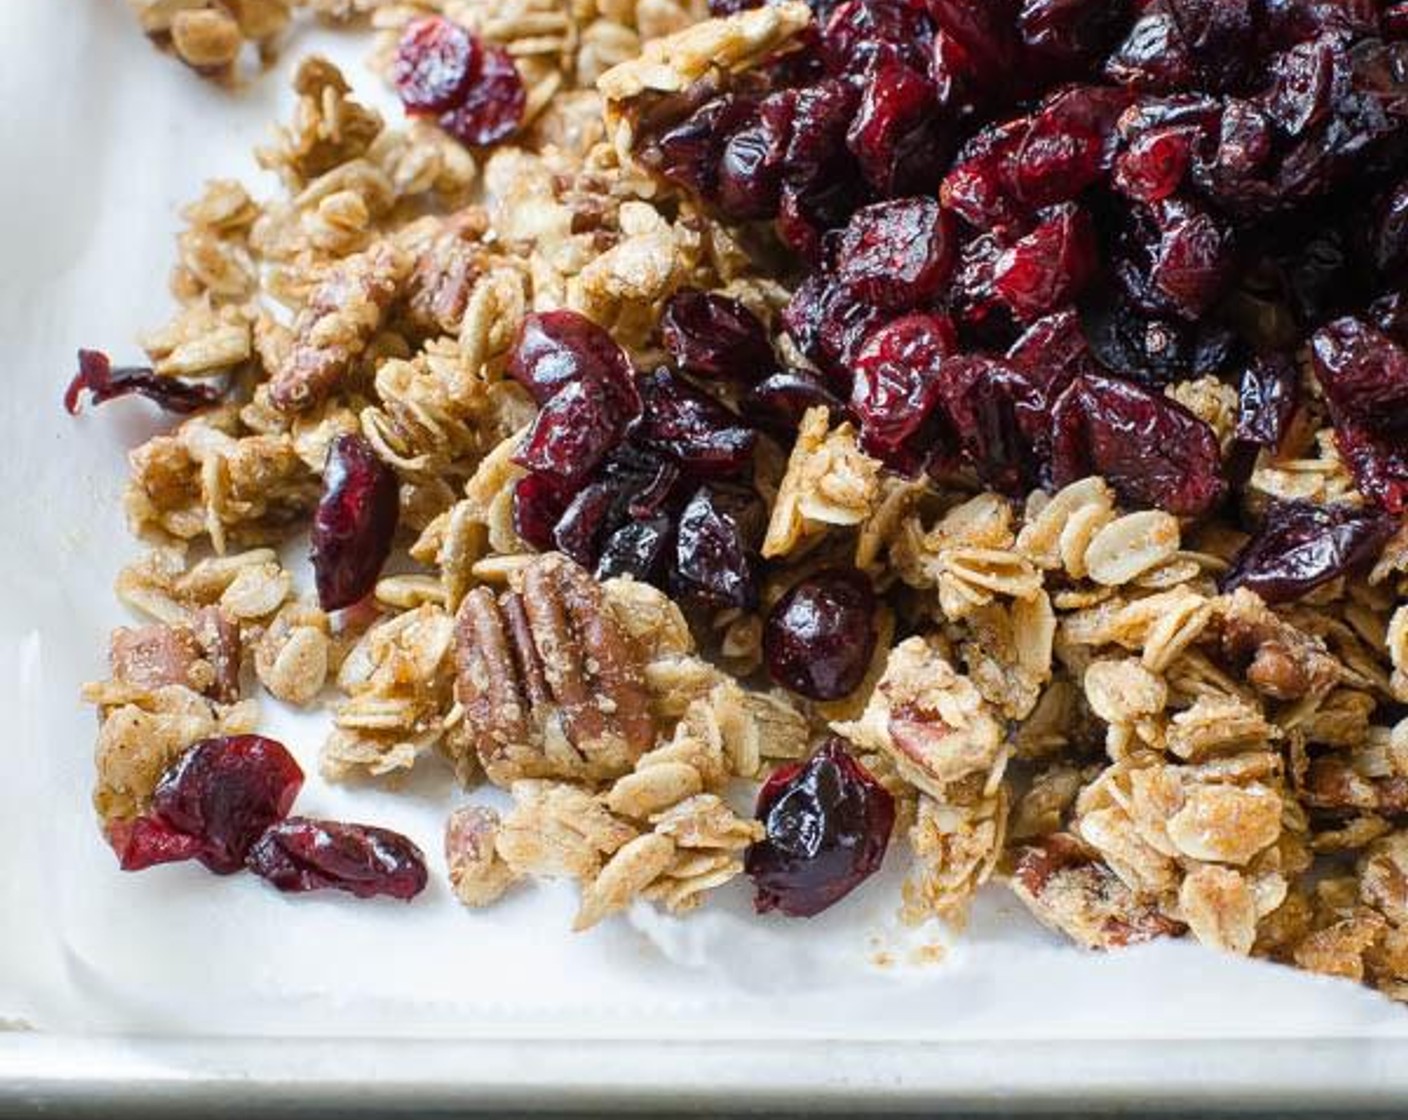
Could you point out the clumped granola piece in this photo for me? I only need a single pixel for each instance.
(478, 873)
(829, 481)
(1281, 661)
(549, 683)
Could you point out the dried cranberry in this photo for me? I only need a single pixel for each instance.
(688, 152)
(1301, 546)
(1152, 349)
(1191, 259)
(354, 524)
(538, 504)
(691, 426)
(147, 841)
(638, 549)
(828, 823)
(1301, 84)
(300, 854)
(1378, 462)
(821, 114)
(819, 637)
(897, 254)
(588, 518)
(227, 791)
(1363, 373)
(981, 185)
(435, 62)
(896, 135)
(103, 383)
(1152, 450)
(778, 403)
(555, 348)
(711, 335)
(1154, 55)
(896, 391)
(1053, 350)
(986, 33)
(492, 106)
(829, 322)
(575, 430)
(749, 172)
(1155, 163)
(1266, 402)
(1069, 144)
(716, 544)
(862, 35)
(1065, 36)
(1388, 240)
(998, 415)
(1049, 266)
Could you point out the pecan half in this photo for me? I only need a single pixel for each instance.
(339, 321)
(549, 683)
(1067, 889)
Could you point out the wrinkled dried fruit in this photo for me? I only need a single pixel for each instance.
(575, 431)
(300, 854)
(895, 395)
(435, 62)
(1364, 375)
(711, 335)
(491, 107)
(716, 547)
(102, 383)
(1266, 402)
(553, 349)
(828, 823)
(897, 255)
(778, 403)
(147, 841)
(1048, 267)
(690, 426)
(1300, 546)
(820, 635)
(354, 524)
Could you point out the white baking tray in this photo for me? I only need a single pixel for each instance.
(175, 985)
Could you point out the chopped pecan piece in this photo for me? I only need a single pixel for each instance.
(341, 317)
(1282, 661)
(203, 656)
(444, 274)
(550, 684)
(478, 873)
(1332, 783)
(1070, 891)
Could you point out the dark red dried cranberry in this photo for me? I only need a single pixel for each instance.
(819, 637)
(555, 348)
(227, 791)
(1151, 349)
(829, 322)
(585, 522)
(778, 403)
(1049, 266)
(300, 854)
(987, 34)
(147, 841)
(354, 524)
(1363, 373)
(1152, 450)
(1154, 55)
(575, 430)
(690, 426)
(1266, 402)
(895, 396)
(103, 383)
(828, 823)
(898, 254)
(1388, 240)
(749, 173)
(896, 135)
(999, 415)
(1064, 37)
(981, 186)
(1378, 462)
(435, 62)
(1154, 164)
(820, 117)
(1069, 145)
(1191, 259)
(711, 335)
(688, 152)
(639, 549)
(716, 545)
(1053, 350)
(1301, 546)
(538, 504)
(492, 106)
(1302, 80)
(863, 35)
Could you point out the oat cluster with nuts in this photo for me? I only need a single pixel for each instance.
(1136, 648)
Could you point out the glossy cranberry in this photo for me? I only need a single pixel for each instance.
(981, 186)
(538, 505)
(553, 349)
(584, 524)
(147, 841)
(1049, 266)
(435, 63)
(1154, 55)
(716, 546)
(749, 172)
(300, 854)
(999, 416)
(896, 135)
(1064, 37)
(1155, 163)
(354, 524)
(778, 403)
(1378, 462)
(830, 322)
(1302, 80)
(1300, 546)
(639, 549)
(820, 116)
(1069, 144)
(575, 430)
(491, 108)
(1153, 451)
(899, 254)
(819, 637)
(986, 32)
(1266, 403)
(1388, 240)
(713, 336)
(690, 426)
(1152, 349)
(97, 377)
(1364, 375)
(863, 35)
(688, 152)
(828, 823)
(1054, 349)
(1191, 259)
(895, 396)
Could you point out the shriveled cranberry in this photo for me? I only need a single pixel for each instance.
(1266, 402)
(895, 396)
(301, 854)
(1388, 239)
(711, 335)
(1191, 259)
(716, 545)
(1152, 349)
(1154, 55)
(862, 35)
(1053, 349)
(1155, 163)
(1049, 266)
(1302, 80)
(555, 348)
(639, 549)
(575, 430)
(691, 426)
(491, 108)
(538, 504)
(1069, 145)
(585, 522)
(981, 186)
(896, 135)
(97, 377)
(1378, 462)
(435, 62)
(1152, 450)
(688, 152)
(820, 116)
(1065, 36)
(227, 791)
(354, 524)
(778, 403)
(898, 254)
(819, 637)
(986, 32)
(1300, 546)
(749, 171)
(829, 322)
(1363, 373)
(828, 823)
(147, 841)
(999, 415)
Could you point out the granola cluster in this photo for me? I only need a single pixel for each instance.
(1061, 698)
